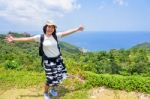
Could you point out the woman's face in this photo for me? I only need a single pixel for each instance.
(50, 29)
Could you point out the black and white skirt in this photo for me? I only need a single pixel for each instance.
(55, 70)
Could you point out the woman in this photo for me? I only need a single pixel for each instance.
(52, 60)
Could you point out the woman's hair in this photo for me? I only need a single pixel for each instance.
(44, 30)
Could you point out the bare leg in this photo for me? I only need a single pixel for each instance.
(55, 86)
(46, 88)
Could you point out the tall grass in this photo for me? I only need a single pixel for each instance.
(20, 79)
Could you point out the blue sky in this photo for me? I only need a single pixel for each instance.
(95, 15)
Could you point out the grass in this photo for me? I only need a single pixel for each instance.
(20, 79)
(26, 79)
(76, 87)
(81, 94)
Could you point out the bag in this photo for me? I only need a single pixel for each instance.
(41, 45)
(41, 52)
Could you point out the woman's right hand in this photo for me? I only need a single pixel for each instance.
(9, 38)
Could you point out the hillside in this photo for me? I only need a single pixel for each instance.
(128, 70)
(69, 47)
(64, 45)
(145, 45)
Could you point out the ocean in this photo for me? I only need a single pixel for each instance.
(98, 41)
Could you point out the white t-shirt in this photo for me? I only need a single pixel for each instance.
(49, 44)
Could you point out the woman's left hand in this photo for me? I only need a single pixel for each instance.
(78, 29)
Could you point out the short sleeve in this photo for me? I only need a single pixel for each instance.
(59, 35)
(36, 38)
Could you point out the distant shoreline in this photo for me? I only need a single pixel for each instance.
(104, 41)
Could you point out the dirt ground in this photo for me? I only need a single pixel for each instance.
(95, 93)
(103, 93)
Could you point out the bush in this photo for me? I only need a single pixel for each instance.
(128, 83)
(12, 65)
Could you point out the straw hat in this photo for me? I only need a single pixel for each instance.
(50, 23)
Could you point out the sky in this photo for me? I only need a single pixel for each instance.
(94, 15)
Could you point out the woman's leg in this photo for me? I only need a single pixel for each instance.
(53, 90)
(46, 95)
(46, 88)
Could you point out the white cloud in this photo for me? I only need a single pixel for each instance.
(104, 3)
(119, 2)
(35, 11)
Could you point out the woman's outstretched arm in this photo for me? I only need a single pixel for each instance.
(10, 39)
(68, 32)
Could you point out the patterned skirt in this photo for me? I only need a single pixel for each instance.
(55, 70)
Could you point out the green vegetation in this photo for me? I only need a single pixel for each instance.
(19, 79)
(20, 66)
(145, 45)
(82, 94)
(122, 62)
(25, 56)
(129, 83)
